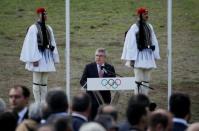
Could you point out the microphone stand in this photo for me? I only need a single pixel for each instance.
(116, 96)
(138, 83)
(108, 71)
(96, 94)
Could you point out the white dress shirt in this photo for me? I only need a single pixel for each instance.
(21, 114)
(80, 116)
(99, 68)
(180, 120)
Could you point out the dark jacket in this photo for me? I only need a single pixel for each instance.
(124, 126)
(77, 122)
(91, 71)
(23, 118)
(179, 126)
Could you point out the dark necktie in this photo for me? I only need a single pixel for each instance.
(101, 72)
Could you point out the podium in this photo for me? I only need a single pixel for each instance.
(116, 83)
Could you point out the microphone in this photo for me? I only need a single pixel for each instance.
(109, 72)
(103, 68)
(140, 83)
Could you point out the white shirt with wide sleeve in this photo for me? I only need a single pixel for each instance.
(30, 52)
(145, 58)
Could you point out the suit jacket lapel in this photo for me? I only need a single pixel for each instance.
(26, 115)
(105, 74)
(95, 69)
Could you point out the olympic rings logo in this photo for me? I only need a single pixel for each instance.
(111, 83)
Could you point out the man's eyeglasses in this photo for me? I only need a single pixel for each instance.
(100, 55)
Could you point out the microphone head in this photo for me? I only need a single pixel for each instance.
(102, 67)
(152, 106)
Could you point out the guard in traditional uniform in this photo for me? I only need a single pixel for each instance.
(40, 54)
(141, 50)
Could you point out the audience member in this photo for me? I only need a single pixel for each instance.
(152, 106)
(92, 126)
(18, 99)
(63, 124)
(107, 122)
(8, 121)
(140, 113)
(193, 127)
(57, 104)
(81, 106)
(35, 112)
(34, 118)
(136, 113)
(2, 106)
(137, 116)
(160, 120)
(27, 125)
(108, 110)
(180, 107)
(45, 127)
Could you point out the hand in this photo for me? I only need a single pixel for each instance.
(129, 63)
(132, 63)
(152, 47)
(36, 63)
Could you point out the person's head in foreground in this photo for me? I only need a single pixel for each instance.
(18, 97)
(160, 120)
(92, 126)
(193, 127)
(180, 106)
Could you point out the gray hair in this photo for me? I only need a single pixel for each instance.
(35, 111)
(92, 126)
(103, 50)
(2, 105)
(193, 127)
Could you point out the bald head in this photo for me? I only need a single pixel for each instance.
(81, 102)
(193, 127)
(92, 126)
(160, 120)
(110, 110)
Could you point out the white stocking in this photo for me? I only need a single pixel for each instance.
(36, 93)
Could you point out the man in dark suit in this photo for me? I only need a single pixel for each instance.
(160, 120)
(57, 104)
(81, 107)
(180, 107)
(136, 113)
(18, 99)
(95, 70)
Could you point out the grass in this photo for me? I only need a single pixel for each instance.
(102, 23)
